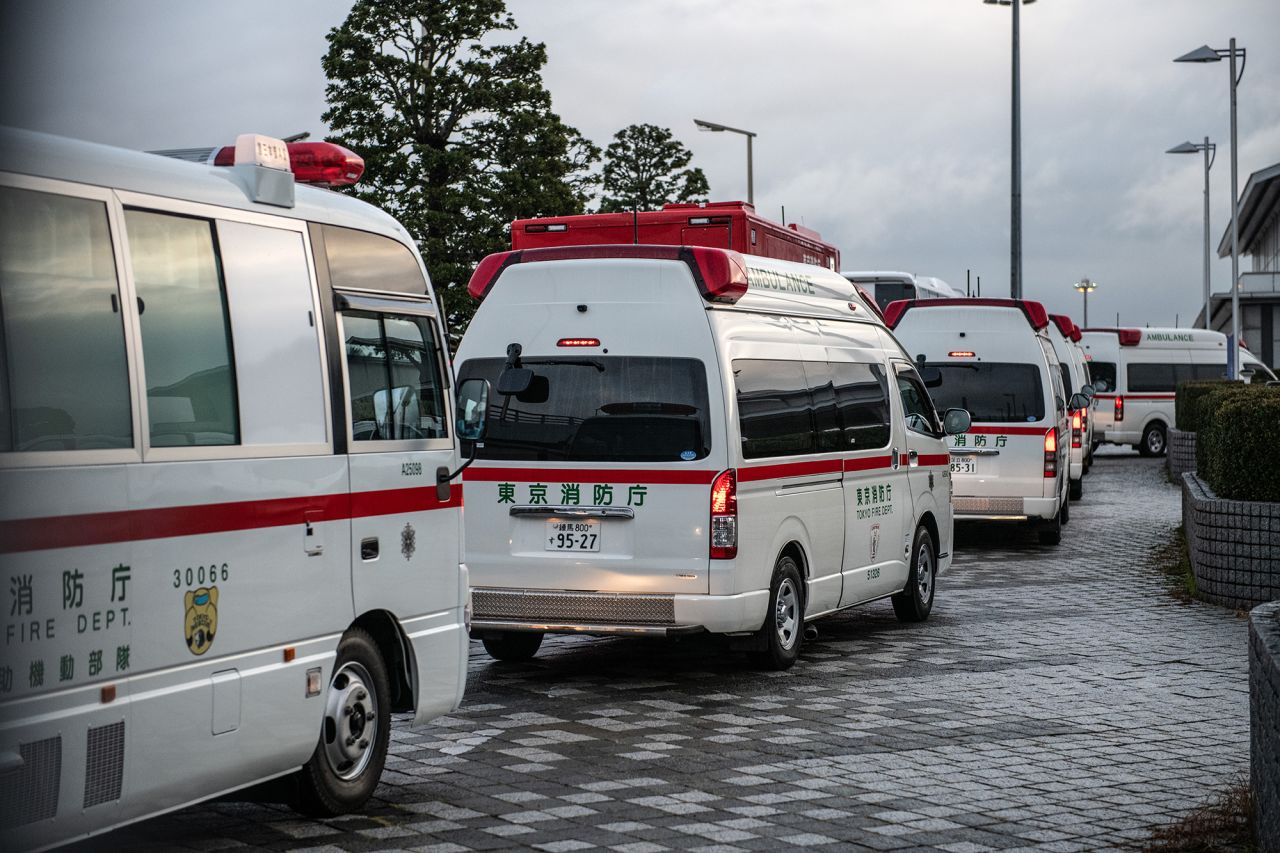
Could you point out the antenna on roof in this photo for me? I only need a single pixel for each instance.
(635, 226)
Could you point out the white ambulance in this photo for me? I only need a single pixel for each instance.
(227, 553)
(685, 439)
(1136, 374)
(997, 362)
(1075, 380)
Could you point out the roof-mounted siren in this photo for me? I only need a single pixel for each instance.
(1034, 311)
(325, 164)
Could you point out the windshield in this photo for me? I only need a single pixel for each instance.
(992, 392)
(601, 409)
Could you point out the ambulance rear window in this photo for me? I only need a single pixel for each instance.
(598, 408)
(993, 392)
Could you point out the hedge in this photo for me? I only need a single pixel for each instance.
(1237, 448)
(1188, 414)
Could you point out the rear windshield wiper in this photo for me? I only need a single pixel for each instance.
(575, 362)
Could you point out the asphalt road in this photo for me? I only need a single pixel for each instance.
(1057, 699)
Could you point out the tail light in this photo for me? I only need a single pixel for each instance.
(1077, 424)
(1119, 409)
(1051, 453)
(724, 516)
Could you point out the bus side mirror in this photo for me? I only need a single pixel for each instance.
(956, 421)
(930, 376)
(473, 409)
(1079, 401)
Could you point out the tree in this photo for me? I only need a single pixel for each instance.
(456, 130)
(645, 167)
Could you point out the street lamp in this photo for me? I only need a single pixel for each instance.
(1210, 154)
(1210, 54)
(1015, 198)
(1086, 286)
(721, 128)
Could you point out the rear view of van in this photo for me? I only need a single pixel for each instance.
(686, 439)
(994, 358)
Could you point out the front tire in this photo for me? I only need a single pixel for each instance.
(1153, 441)
(1077, 489)
(513, 645)
(348, 760)
(915, 603)
(783, 629)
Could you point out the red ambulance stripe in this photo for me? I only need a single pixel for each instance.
(1010, 430)
(935, 459)
(869, 463)
(102, 528)
(661, 477)
(789, 469)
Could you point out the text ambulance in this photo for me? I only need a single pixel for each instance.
(688, 439)
(227, 555)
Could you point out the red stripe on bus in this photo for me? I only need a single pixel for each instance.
(868, 463)
(104, 528)
(789, 469)
(935, 459)
(662, 477)
(1163, 396)
(1011, 430)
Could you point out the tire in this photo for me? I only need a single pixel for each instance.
(1050, 532)
(347, 763)
(915, 603)
(783, 629)
(513, 645)
(1064, 514)
(1154, 440)
(1077, 489)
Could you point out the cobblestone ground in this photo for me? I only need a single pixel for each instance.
(1056, 700)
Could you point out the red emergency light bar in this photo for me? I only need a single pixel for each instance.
(1067, 326)
(1128, 337)
(324, 163)
(1035, 313)
(721, 274)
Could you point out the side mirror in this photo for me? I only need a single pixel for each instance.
(930, 376)
(1089, 391)
(473, 408)
(514, 380)
(956, 421)
(1079, 401)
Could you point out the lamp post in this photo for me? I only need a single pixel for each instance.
(1015, 193)
(1086, 286)
(1210, 154)
(1210, 54)
(721, 128)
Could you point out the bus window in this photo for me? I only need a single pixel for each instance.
(1102, 375)
(186, 336)
(364, 261)
(775, 409)
(862, 395)
(66, 383)
(396, 393)
(992, 392)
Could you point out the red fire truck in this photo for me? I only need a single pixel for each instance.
(722, 224)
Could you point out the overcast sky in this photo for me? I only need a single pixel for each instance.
(884, 124)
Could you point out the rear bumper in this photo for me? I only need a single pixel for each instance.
(1003, 509)
(647, 615)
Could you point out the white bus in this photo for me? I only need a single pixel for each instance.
(226, 554)
(885, 287)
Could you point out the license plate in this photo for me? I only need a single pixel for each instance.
(964, 465)
(581, 535)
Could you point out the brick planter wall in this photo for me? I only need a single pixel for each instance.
(1234, 546)
(1181, 454)
(1264, 723)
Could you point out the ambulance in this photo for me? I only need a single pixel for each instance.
(1136, 374)
(1075, 379)
(685, 439)
(996, 361)
(230, 544)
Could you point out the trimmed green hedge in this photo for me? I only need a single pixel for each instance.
(1188, 414)
(1237, 446)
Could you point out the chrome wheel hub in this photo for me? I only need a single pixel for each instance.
(350, 721)
(924, 572)
(787, 614)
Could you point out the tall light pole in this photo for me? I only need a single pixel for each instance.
(1086, 286)
(1210, 54)
(721, 128)
(1015, 195)
(1210, 154)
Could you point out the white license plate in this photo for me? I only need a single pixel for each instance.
(583, 535)
(964, 465)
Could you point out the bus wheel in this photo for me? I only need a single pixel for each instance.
(1153, 440)
(1050, 532)
(783, 629)
(344, 769)
(512, 645)
(915, 602)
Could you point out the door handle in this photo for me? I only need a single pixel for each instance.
(369, 548)
(913, 458)
(895, 459)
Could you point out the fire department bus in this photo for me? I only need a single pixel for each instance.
(230, 545)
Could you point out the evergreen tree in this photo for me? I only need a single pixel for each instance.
(645, 167)
(456, 130)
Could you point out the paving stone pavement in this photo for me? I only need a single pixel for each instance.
(1057, 699)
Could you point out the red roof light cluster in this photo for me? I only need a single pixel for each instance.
(1035, 312)
(1128, 337)
(324, 163)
